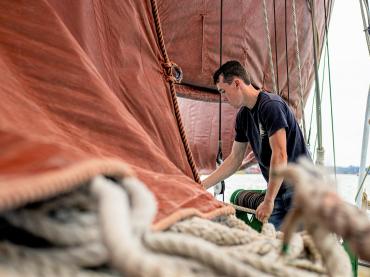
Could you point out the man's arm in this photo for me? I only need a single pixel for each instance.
(228, 167)
(279, 158)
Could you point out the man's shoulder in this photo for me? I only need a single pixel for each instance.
(268, 96)
(269, 100)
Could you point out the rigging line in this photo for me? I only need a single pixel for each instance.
(362, 183)
(320, 149)
(220, 99)
(313, 100)
(366, 4)
(299, 70)
(330, 91)
(276, 61)
(286, 52)
(365, 23)
(219, 153)
(321, 95)
(269, 46)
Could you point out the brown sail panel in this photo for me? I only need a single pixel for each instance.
(82, 85)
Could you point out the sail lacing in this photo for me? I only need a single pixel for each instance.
(171, 82)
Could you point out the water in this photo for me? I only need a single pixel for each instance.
(346, 185)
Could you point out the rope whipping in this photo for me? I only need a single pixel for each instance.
(361, 186)
(168, 68)
(269, 47)
(313, 103)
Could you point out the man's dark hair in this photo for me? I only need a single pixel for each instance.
(230, 70)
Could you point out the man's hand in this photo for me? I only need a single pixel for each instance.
(264, 210)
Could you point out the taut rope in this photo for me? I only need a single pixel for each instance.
(269, 46)
(300, 87)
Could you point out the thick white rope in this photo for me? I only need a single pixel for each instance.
(125, 250)
(193, 247)
(241, 208)
(203, 251)
(60, 233)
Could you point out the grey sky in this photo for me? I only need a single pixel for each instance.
(350, 73)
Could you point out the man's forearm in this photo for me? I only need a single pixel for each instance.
(277, 160)
(227, 168)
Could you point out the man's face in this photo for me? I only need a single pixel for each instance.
(232, 91)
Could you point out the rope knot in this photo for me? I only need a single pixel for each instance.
(172, 72)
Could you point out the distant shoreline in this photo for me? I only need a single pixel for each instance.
(352, 170)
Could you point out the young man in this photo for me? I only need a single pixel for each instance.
(267, 123)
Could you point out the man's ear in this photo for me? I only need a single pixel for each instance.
(237, 83)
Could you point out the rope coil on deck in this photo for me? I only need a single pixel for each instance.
(119, 215)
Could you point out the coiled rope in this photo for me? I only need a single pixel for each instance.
(119, 242)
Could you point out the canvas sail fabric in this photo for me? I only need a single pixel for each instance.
(192, 35)
(83, 93)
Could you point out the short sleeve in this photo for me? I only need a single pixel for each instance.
(273, 116)
(241, 127)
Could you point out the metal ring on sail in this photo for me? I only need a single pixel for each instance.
(173, 72)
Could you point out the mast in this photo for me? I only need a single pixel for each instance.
(365, 138)
(320, 148)
(365, 142)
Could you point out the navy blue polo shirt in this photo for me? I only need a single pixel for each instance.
(256, 125)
